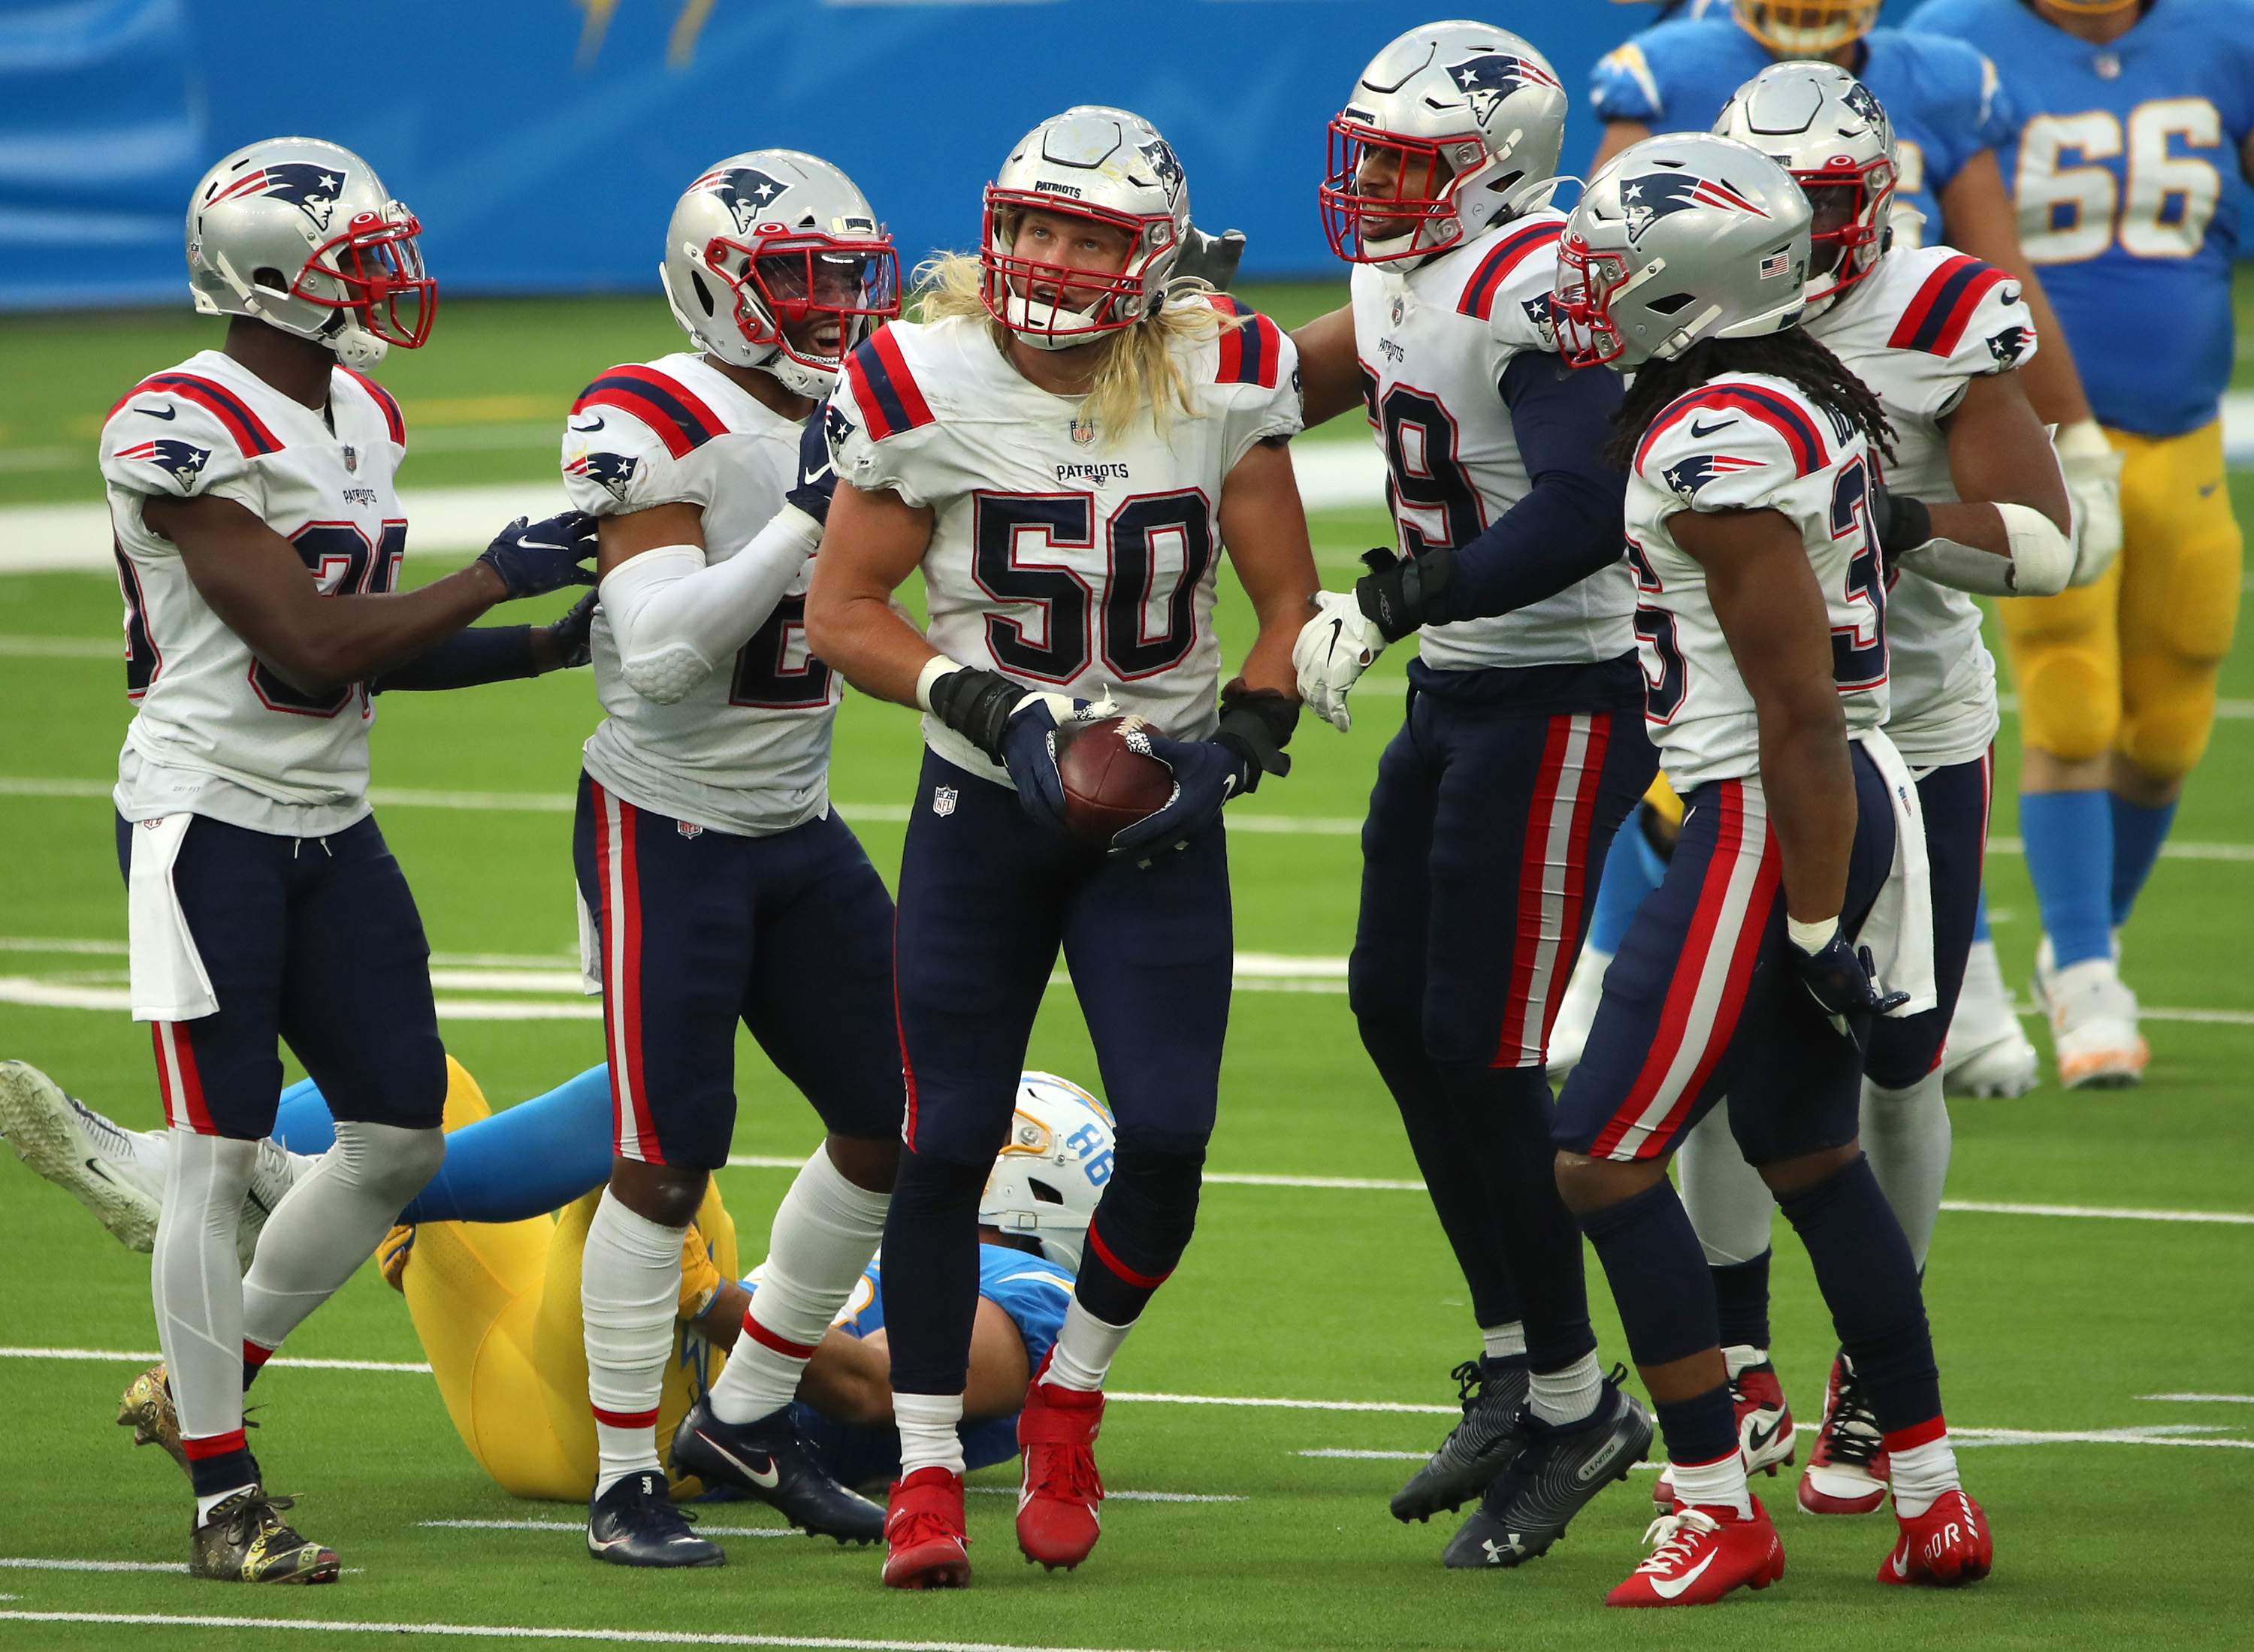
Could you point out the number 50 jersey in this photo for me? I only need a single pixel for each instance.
(1065, 557)
(1433, 346)
(1747, 441)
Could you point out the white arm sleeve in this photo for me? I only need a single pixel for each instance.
(675, 618)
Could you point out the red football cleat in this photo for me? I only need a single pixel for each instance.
(925, 1539)
(1699, 1555)
(1765, 1429)
(1058, 1512)
(1948, 1545)
(1847, 1471)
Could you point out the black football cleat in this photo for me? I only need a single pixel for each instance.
(1477, 1449)
(246, 1540)
(770, 1460)
(634, 1523)
(1558, 1474)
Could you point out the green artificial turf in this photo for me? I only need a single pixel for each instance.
(2042, 1323)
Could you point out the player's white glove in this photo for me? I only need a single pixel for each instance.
(1335, 649)
(2093, 477)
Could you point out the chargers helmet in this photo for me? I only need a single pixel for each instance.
(1679, 239)
(1090, 162)
(1823, 126)
(1050, 1173)
(302, 234)
(766, 240)
(1807, 28)
(1480, 109)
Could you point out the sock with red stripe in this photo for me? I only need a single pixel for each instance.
(824, 1233)
(1659, 1279)
(219, 1467)
(196, 1283)
(1142, 1226)
(1922, 1467)
(254, 1361)
(1864, 1268)
(629, 1289)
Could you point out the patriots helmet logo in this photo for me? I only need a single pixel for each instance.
(612, 471)
(1486, 80)
(836, 427)
(1647, 200)
(182, 461)
(1160, 156)
(313, 190)
(748, 194)
(2008, 346)
(1538, 311)
(1858, 99)
(1685, 477)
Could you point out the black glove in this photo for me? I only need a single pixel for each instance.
(1400, 593)
(817, 477)
(1901, 522)
(1257, 724)
(1212, 259)
(574, 632)
(1844, 983)
(536, 558)
(976, 705)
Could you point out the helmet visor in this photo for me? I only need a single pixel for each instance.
(375, 270)
(1385, 197)
(812, 296)
(1849, 206)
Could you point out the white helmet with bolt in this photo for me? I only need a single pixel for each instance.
(1051, 1172)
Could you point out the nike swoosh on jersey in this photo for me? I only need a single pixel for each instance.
(1667, 1591)
(166, 412)
(770, 1479)
(1699, 429)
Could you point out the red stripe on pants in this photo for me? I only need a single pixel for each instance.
(636, 1134)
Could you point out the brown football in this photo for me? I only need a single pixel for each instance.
(1107, 784)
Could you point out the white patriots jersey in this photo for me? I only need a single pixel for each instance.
(1747, 441)
(1067, 558)
(747, 750)
(1920, 327)
(1432, 346)
(216, 732)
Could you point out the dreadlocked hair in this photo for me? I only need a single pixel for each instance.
(1137, 371)
(1795, 355)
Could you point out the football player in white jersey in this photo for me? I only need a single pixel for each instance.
(1938, 336)
(1524, 747)
(258, 548)
(1753, 971)
(1064, 447)
(722, 886)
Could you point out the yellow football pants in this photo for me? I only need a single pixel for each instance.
(497, 1307)
(2128, 664)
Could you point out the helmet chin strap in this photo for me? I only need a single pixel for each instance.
(1026, 330)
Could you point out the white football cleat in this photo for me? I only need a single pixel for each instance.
(2093, 1022)
(274, 1174)
(1577, 1011)
(1987, 1054)
(85, 1155)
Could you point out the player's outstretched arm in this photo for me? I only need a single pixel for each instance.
(1772, 614)
(1330, 373)
(873, 543)
(1264, 530)
(849, 1378)
(254, 581)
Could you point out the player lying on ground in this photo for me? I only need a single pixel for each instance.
(1750, 510)
(259, 543)
(720, 884)
(1063, 446)
(491, 1277)
(1523, 745)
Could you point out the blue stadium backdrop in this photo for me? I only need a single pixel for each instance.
(542, 141)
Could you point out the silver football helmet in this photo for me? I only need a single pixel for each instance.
(1467, 120)
(773, 260)
(302, 234)
(1678, 239)
(1821, 125)
(1090, 162)
(1051, 1172)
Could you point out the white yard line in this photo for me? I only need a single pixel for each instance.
(2203, 1399)
(2229, 1218)
(125, 1357)
(1124, 1496)
(580, 1527)
(523, 1632)
(1390, 1456)
(21, 1563)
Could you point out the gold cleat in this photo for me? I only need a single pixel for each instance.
(391, 1257)
(146, 1408)
(246, 1540)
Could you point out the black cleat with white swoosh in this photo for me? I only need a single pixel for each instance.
(770, 1460)
(634, 1523)
(1558, 1474)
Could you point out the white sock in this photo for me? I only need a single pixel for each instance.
(1907, 1135)
(1085, 1349)
(1921, 1474)
(1720, 1484)
(331, 1221)
(1741, 1358)
(1559, 1398)
(928, 1437)
(1504, 1341)
(196, 1284)
(824, 1233)
(629, 1289)
(1731, 1207)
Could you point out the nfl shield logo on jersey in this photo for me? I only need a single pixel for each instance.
(943, 799)
(352, 457)
(1083, 430)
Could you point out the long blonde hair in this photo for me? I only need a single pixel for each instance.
(1138, 369)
